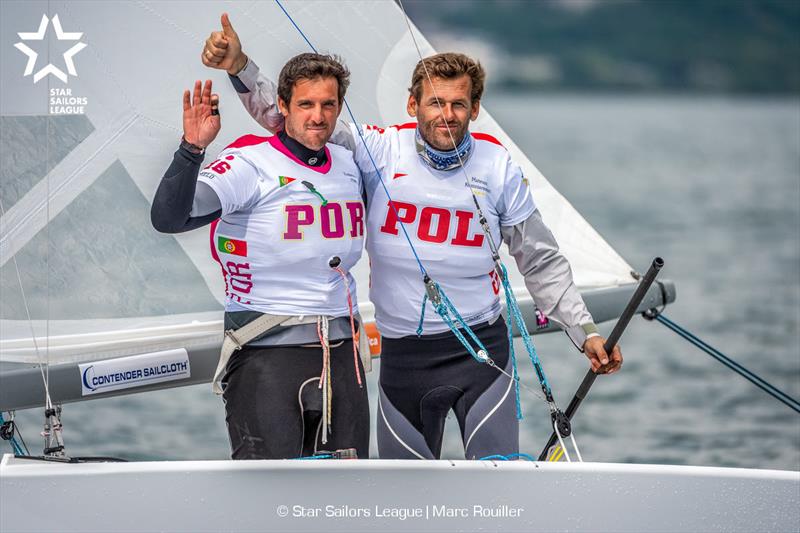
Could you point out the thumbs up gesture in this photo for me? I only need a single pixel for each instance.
(223, 50)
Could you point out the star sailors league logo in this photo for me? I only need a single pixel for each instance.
(39, 35)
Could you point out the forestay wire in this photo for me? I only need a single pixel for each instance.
(433, 291)
(42, 363)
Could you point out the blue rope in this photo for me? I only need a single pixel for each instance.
(313, 457)
(515, 317)
(521, 456)
(507, 457)
(439, 309)
(514, 371)
(444, 308)
(731, 364)
(369, 152)
(446, 305)
(422, 314)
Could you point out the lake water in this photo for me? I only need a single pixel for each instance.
(710, 184)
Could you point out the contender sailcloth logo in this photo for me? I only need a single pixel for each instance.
(135, 371)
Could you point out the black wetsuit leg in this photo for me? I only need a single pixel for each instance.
(273, 402)
(423, 378)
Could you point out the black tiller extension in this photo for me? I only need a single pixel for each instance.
(612, 340)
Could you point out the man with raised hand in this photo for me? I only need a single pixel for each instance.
(425, 370)
(287, 225)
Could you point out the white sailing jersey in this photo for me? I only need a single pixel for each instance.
(441, 221)
(275, 236)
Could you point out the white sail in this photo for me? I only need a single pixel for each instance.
(98, 281)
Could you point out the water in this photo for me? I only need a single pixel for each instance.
(712, 185)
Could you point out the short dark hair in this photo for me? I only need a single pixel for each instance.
(448, 66)
(311, 66)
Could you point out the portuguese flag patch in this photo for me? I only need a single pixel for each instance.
(227, 245)
(285, 180)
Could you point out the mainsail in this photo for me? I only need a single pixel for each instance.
(82, 273)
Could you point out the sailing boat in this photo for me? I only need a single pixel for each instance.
(89, 290)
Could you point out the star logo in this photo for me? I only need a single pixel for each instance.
(61, 35)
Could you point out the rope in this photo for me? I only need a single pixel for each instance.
(325, 378)
(364, 142)
(442, 304)
(444, 307)
(352, 323)
(508, 457)
(42, 364)
(447, 319)
(728, 362)
(512, 354)
(515, 315)
(481, 217)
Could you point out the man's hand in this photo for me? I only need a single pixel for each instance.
(599, 359)
(223, 49)
(200, 116)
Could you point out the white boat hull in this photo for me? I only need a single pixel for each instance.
(374, 495)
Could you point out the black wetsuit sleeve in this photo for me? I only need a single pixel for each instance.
(172, 204)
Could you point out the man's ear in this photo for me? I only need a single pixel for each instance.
(283, 107)
(411, 106)
(476, 109)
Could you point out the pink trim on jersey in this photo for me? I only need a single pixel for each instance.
(279, 146)
(247, 140)
(214, 253)
(486, 137)
(406, 126)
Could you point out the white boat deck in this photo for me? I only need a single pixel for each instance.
(386, 495)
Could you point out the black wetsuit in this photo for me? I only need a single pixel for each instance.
(272, 398)
(422, 378)
(273, 403)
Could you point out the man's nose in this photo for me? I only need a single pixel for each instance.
(316, 114)
(447, 111)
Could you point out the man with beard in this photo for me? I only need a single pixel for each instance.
(287, 225)
(425, 370)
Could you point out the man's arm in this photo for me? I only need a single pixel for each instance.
(548, 277)
(180, 203)
(223, 50)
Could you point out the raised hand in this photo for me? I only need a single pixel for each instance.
(201, 122)
(223, 50)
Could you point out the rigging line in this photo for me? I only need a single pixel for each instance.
(484, 226)
(388, 195)
(730, 363)
(30, 322)
(369, 152)
(492, 244)
(48, 403)
(518, 382)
